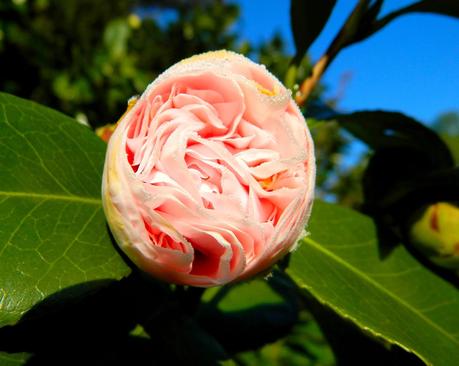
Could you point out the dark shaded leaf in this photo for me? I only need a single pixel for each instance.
(91, 329)
(249, 315)
(440, 185)
(360, 23)
(304, 345)
(178, 340)
(307, 19)
(381, 129)
(442, 7)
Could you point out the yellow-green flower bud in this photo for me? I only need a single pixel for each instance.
(436, 233)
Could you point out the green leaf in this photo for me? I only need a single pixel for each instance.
(242, 296)
(410, 194)
(442, 7)
(13, 359)
(452, 141)
(356, 24)
(304, 345)
(407, 155)
(248, 315)
(344, 338)
(308, 18)
(381, 129)
(52, 227)
(115, 38)
(178, 340)
(396, 299)
(88, 326)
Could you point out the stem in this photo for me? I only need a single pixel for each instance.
(340, 41)
(308, 85)
(194, 298)
(189, 298)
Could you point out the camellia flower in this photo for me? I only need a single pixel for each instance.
(209, 177)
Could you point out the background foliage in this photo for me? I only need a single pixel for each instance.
(356, 292)
(85, 61)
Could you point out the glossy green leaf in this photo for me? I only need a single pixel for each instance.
(345, 338)
(52, 227)
(395, 298)
(308, 18)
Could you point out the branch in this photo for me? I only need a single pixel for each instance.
(341, 40)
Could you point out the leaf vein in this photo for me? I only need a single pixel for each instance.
(52, 197)
(381, 288)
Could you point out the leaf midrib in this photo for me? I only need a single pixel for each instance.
(53, 197)
(379, 287)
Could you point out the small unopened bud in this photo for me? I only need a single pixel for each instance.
(436, 233)
(105, 132)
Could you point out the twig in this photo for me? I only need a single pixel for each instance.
(341, 40)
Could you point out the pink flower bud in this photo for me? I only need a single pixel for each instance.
(209, 177)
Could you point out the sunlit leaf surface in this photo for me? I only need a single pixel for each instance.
(52, 227)
(390, 296)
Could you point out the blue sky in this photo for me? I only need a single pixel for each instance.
(411, 66)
